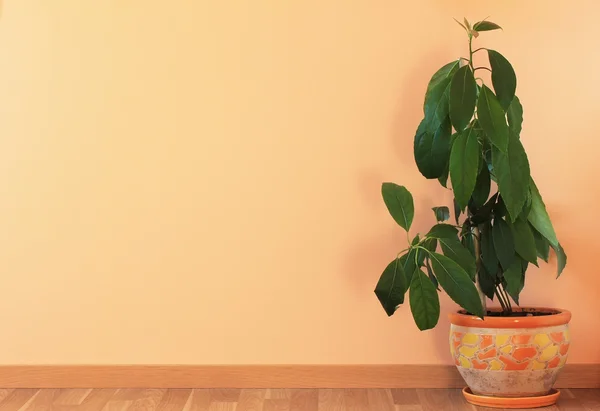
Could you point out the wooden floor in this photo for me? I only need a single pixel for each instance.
(262, 400)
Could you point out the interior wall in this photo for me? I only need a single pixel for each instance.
(197, 182)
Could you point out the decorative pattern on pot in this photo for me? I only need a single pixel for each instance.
(510, 361)
(533, 350)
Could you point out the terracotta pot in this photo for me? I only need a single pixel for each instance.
(510, 356)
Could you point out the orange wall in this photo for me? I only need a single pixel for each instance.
(197, 181)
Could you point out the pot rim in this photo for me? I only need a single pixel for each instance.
(558, 317)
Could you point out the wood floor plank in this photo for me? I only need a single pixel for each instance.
(96, 400)
(355, 399)
(405, 396)
(278, 393)
(5, 392)
(380, 399)
(255, 400)
(71, 396)
(304, 400)
(200, 400)
(123, 399)
(276, 404)
(125, 394)
(225, 395)
(331, 400)
(568, 402)
(148, 400)
(406, 399)
(589, 398)
(16, 399)
(410, 407)
(41, 401)
(174, 400)
(222, 406)
(441, 399)
(118, 405)
(251, 400)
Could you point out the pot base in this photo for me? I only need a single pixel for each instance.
(505, 402)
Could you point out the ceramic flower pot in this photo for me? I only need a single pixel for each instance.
(510, 356)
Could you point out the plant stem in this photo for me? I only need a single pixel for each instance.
(501, 300)
(480, 48)
(477, 246)
(400, 252)
(417, 258)
(482, 68)
(507, 298)
(471, 53)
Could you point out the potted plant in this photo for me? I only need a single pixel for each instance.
(469, 140)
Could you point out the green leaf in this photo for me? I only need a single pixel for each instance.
(431, 276)
(482, 187)
(561, 259)
(504, 78)
(407, 261)
(515, 279)
(431, 245)
(437, 105)
(500, 208)
(391, 287)
(424, 301)
(443, 231)
(457, 211)
(454, 250)
(468, 243)
(526, 207)
(492, 119)
(414, 258)
(524, 264)
(444, 74)
(464, 164)
(443, 179)
(457, 283)
(465, 229)
(467, 23)
(432, 150)
(488, 253)
(487, 283)
(541, 244)
(399, 202)
(512, 174)
(463, 96)
(485, 26)
(539, 218)
(418, 254)
(487, 153)
(441, 213)
(462, 25)
(524, 240)
(515, 115)
(484, 214)
(503, 243)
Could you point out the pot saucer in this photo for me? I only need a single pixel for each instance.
(511, 402)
